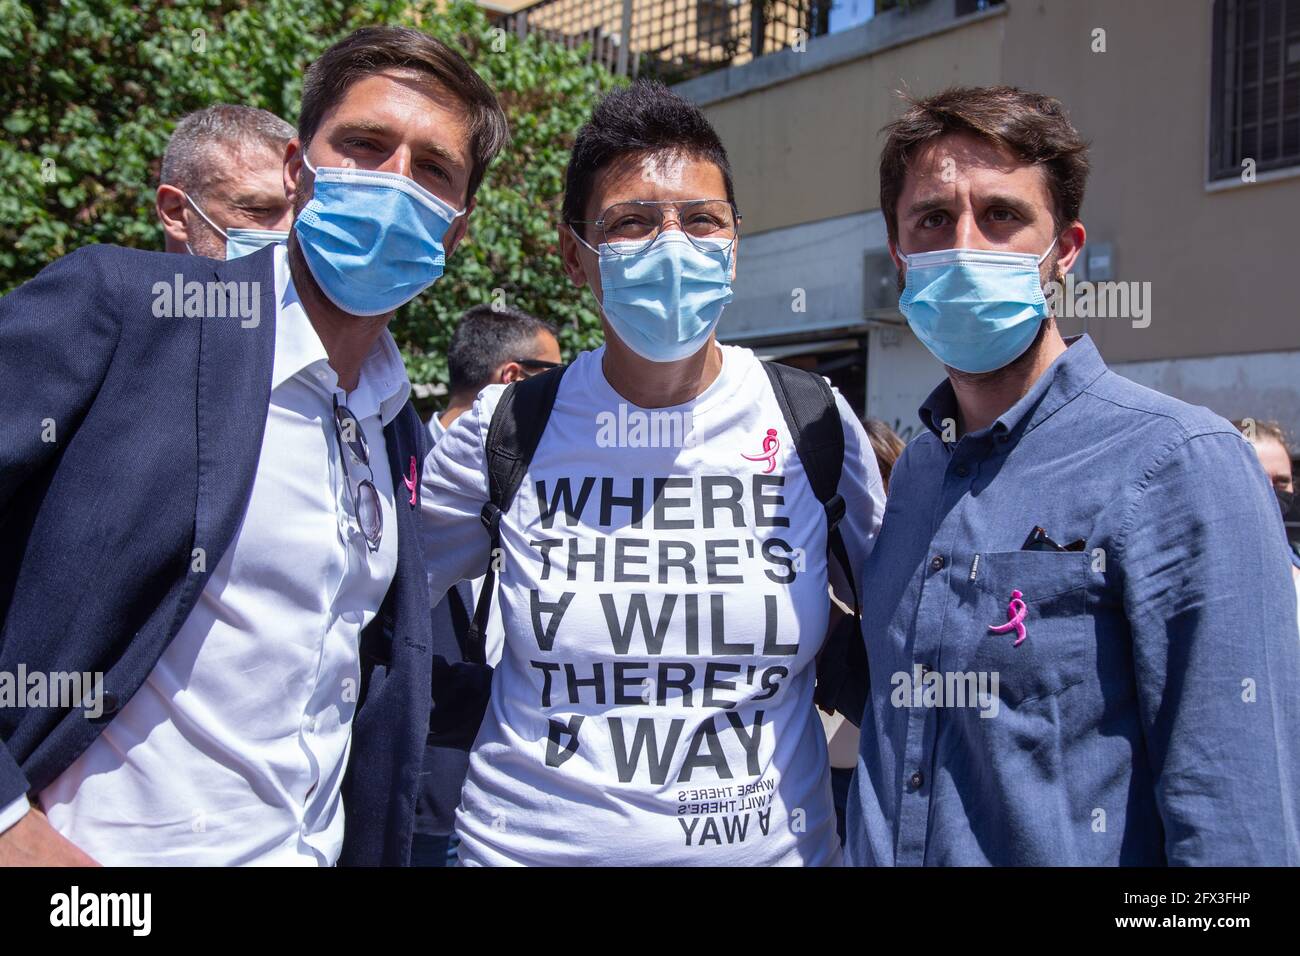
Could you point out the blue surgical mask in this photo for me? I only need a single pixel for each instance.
(372, 240)
(976, 310)
(239, 242)
(244, 242)
(665, 301)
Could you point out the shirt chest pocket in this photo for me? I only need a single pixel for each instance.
(1029, 624)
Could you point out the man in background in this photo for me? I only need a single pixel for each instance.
(221, 193)
(1270, 445)
(493, 345)
(490, 346)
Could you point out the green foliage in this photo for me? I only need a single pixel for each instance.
(91, 89)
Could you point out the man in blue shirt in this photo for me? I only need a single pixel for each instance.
(1079, 620)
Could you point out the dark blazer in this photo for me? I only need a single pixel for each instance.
(157, 425)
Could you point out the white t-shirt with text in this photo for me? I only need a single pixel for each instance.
(663, 590)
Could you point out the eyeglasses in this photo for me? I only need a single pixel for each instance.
(537, 365)
(629, 228)
(365, 499)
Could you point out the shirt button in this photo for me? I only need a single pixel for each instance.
(916, 780)
(937, 563)
(309, 724)
(1004, 438)
(962, 471)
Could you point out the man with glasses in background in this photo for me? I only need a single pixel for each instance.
(663, 550)
(492, 345)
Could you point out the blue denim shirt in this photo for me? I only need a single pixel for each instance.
(1151, 712)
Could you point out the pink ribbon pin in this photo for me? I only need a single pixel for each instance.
(770, 446)
(1015, 619)
(413, 483)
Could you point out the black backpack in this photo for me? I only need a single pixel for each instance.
(813, 419)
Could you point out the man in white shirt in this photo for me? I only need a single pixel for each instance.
(664, 561)
(260, 609)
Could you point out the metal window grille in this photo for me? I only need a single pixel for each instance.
(673, 40)
(1255, 105)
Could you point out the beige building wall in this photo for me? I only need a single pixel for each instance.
(1216, 259)
(807, 148)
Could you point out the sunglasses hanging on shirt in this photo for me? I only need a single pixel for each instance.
(365, 499)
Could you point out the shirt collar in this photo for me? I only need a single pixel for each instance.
(382, 386)
(436, 428)
(1073, 371)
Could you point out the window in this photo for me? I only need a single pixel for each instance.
(1255, 94)
(713, 19)
(963, 7)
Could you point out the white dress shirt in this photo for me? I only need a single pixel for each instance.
(233, 750)
(436, 431)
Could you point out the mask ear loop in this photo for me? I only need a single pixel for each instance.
(205, 219)
(307, 162)
(1052, 278)
(1049, 251)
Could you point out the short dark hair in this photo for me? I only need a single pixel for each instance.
(645, 117)
(1033, 127)
(486, 337)
(371, 50)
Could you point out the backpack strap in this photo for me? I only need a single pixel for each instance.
(517, 425)
(813, 418)
(811, 414)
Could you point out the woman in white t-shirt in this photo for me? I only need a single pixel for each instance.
(663, 576)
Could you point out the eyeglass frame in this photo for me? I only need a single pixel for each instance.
(540, 364)
(345, 449)
(678, 203)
